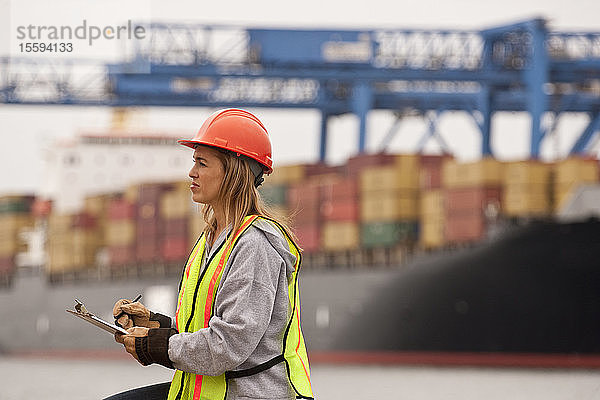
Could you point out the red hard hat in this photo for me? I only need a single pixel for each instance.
(238, 131)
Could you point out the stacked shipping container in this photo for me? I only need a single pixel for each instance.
(389, 199)
(374, 202)
(120, 233)
(432, 209)
(303, 203)
(526, 189)
(288, 192)
(472, 195)
(339, 213)
(15, 215)
(148, 229)
(73, 242)
(174, 211)
(432, 217)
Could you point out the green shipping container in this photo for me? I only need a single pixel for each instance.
(275, 195)
(387, 234)
(15, 205)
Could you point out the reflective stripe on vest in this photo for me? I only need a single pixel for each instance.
(195, 307)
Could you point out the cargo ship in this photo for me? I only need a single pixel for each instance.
(402, 252)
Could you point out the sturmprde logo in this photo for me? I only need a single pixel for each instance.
(107, 30)
(84, 31)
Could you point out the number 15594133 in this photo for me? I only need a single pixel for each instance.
(46, 47)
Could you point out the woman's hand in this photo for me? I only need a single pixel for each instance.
(129, 340)
(148, 346)
(135, 314)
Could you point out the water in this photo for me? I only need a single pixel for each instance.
(54, 379)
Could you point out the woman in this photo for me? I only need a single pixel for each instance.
(236, 332)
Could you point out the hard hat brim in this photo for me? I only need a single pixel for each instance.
(193, 143)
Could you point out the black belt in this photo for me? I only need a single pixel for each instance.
(254, 370)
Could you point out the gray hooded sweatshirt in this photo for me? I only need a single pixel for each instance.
(251, 313)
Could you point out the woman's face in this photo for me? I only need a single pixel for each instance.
(207, 175)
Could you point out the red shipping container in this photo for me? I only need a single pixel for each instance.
(465, 227)
(83, 220)
(7, 265)
(121, 255)
(358, 163)
(147, 251)
(344, 189)
(475, 199)
(147, 210)
(151, 192)
(302, 194)
(306, 214)
(433, 159)
(146, 230)
(121, 209)
(175, 249)
(431, 171)
(309, 237)
(430, 178)
(174, 227)
(311, 170)
(341, 210)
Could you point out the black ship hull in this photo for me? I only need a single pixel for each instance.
(534, 290)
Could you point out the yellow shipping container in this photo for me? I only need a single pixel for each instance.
(388, 177)
(59, 223)
(10, 246)
(65, 258)
(408, 163)
(96, 205)
(60, 258)
(340, 236)
(78, 240)
(86, 238)
(10, 227)
(382, 206)
(486, 172)
(131, 193)
(11, 224)
(323, 179)
(561, 199)
(60, 238)
(432, 203)
(432, 233)
(120, 232)
(522, 200)
(286, 174)
(84, 258)
(527, 172)
(574, 170)
(175, 204)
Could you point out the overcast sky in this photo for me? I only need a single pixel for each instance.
(27, 131)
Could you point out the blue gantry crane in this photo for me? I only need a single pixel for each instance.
(517, 67)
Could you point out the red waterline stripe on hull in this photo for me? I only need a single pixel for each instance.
(70, 354)
(520, 360)
(524, 360)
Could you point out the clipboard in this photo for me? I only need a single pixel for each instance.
(81, 312)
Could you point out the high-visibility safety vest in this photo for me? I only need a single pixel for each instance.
(195, 307)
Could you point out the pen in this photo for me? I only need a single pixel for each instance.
(139, 296)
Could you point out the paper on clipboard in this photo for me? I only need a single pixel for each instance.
(81, 312)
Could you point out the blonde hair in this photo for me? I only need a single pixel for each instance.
(239, 198)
